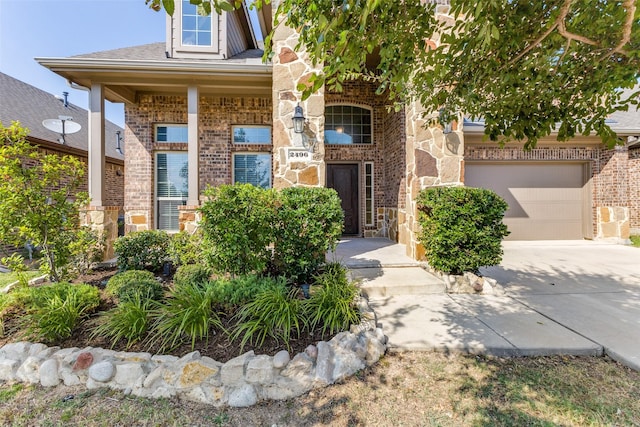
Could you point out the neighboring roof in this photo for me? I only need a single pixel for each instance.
(30, 106)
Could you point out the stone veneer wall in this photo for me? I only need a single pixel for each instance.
(242, 381)
(216, 116)
(290, 69)
(432, 159)
(104, 220)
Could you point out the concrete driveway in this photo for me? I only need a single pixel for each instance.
(590, 288)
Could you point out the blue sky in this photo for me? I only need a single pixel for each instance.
(60, 28)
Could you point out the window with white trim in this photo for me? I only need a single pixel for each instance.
(369, 212)
(252, 168)
(347, 124)
(196, 29)
(171, 133)
(172, 188)
(251, 134)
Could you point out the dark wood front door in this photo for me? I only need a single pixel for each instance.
(344, 179)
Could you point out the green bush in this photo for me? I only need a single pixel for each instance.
(144, 289)
(142, 250)
(275, 311)
(192, 273)
(53, 311)
(185, 248)
(332, 304)
(233, 293)
(119, 280)
(462, 228)
(128, 321)
(236, 224)
(308, 223)
(186, 313)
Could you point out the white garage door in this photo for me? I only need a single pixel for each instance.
(546, 200)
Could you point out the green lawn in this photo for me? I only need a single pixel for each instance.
(7, 278)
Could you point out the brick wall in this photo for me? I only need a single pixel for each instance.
(633, 168)
(216, 115)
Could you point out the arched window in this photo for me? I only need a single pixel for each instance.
(347, 124)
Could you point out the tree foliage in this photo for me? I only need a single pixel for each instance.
(525, 67)
(40, 199)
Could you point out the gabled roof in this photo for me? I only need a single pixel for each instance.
(30, 106)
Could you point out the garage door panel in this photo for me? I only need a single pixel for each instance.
(545, 200)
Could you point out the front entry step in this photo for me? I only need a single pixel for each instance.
(391, 281)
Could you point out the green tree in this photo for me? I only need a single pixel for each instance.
(523, 66)
(39, 199)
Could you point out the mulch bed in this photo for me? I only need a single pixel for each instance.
(218, 346)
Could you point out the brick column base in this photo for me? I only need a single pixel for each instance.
(189, 218)
(613, 223)
(104, 220)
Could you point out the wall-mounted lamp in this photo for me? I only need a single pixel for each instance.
(298, 119)
(118, 140)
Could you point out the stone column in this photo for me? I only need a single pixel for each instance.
(104, 220)
(193, 157)
(189, 218)
(433, 159)
(613, 224)
(298, 159)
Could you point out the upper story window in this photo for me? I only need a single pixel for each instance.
(171, 133)
(347, 124)
(251, 134)
(196, 29)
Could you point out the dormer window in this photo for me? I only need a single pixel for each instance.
(196, 29)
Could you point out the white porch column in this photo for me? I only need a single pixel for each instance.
(96, 145)
(194, 147)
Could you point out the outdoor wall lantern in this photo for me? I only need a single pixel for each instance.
(118, 140)
(446, 121)
(298, 119)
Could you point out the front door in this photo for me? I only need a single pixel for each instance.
(344, 179)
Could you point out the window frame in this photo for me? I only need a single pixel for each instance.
(214, 47)
(167, 125)
(360, 106)
(233, 133)
(156, 198)
(253, 153)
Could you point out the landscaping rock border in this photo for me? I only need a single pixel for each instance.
(240, 382)
(467, 283)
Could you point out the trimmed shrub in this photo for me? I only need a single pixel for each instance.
(462, 228)
(53, 311)
(233, 293)
(143, 289)
(332, 305)
(236, 223)
(308, 223)
(192, 273)
(119, 280)
(142, 250)
(185, 248)
(128, 321)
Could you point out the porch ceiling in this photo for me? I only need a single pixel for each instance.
(124, 81)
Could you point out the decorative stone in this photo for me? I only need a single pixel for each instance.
(287, 55)
(16, 351)
(196, 372)
(102, 371)
(324, 363)
(260, 370)
(242, 396)
(36, 348)
(311, 351)
(232, 373)
(281, 359)
(8, 369)
(129, 374)
(48, 373)
(28, 372)
(426, 164)
(84, 360)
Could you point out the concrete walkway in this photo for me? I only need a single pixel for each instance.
(580, 298)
